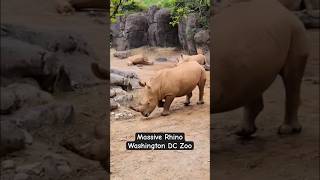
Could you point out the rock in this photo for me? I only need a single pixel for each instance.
(22, 176)
(123, 99)
(161, 59)
(122, 54)
(113, 104)
(52, 41)
(86, 146)
(187, 28)
(308, 20)
(28, 137)
(12, 138)
(30, 169)
(100, 130)
(150, 14)
(118, 80)
(56, 166)
(117, 91)
(43, 115)
(135, 32)
(206, 67)
(49, 56)
(20, 59)
(160, 32)
(125, 73)
(124, 115)
(7, 164)
(67, 7)
(29, 95)
(202, 37)
(8, 100)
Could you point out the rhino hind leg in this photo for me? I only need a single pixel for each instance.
(167, 104)
(201, 85)
(188, 97)
(292, 77)
(251, 111)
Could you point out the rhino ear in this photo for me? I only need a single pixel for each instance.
(142, 83)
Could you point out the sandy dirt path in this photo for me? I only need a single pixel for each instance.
(192, 120)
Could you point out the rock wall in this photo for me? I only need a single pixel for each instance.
(144, 28)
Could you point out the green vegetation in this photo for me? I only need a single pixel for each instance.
(178, 8)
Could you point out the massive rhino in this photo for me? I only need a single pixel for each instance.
(200, 58)
(170, 83)
(253, 42)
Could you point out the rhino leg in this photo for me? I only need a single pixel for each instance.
(167, 104)
(188, 97)
(201, 85)
(292, 76)
(251, 111)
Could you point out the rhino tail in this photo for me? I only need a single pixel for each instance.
(100, 72)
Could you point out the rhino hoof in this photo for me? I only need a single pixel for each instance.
(165, 113)
(246, 132)
(200, 102)
(289, 129)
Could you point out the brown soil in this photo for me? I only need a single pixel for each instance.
(192, 120)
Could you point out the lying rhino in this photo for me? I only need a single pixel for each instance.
(200, 58)
(248, 56)
(170, 83)
(138, 59)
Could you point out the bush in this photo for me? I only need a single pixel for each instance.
(178, 8)
(123, 7)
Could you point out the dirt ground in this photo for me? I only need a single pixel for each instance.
(89, 107)
(268, 155)
(192, 120)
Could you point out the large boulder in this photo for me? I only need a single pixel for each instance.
(136, 28)
(42, 115)
(202, 40)
(20, 95)
(58, 60)
(188, 27)
(12, 138)
(67, 7)
(160, 32)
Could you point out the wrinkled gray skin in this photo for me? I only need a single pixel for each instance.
(249, 51)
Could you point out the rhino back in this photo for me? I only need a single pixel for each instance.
(181, 80)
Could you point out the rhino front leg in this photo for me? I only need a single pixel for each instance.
(167, 103)
(251, 111)
(201, 90)
(188, 97)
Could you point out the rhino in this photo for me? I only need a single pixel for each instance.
(200, 58)
(138, 59)
(169, 83)
(250, 50)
